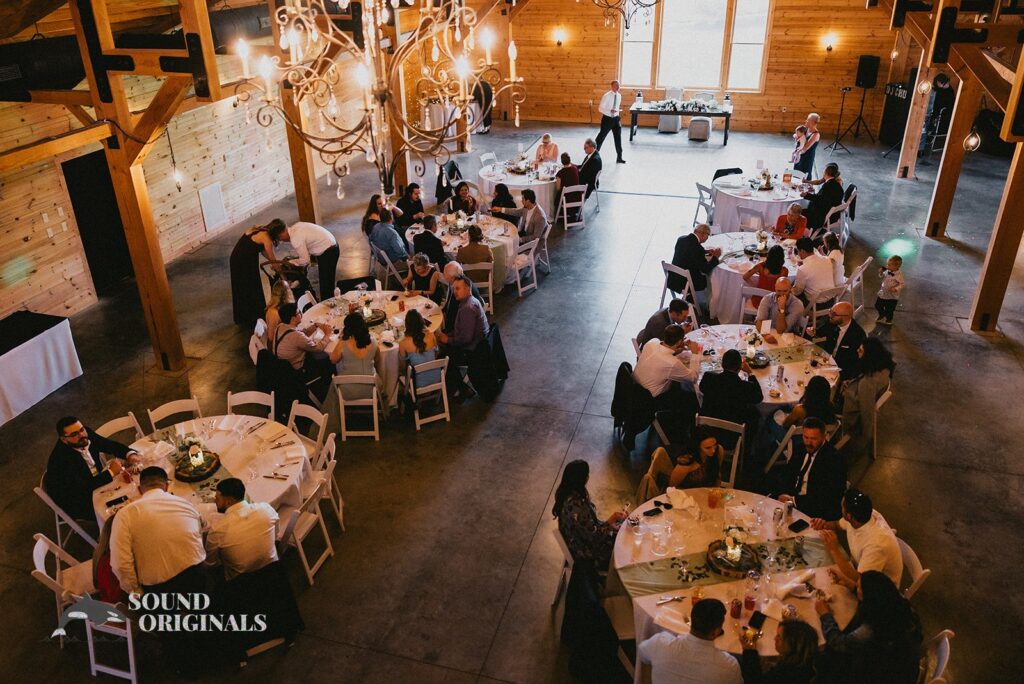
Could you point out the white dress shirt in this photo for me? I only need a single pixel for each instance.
(839, 338)
(309, 239)
(814, 275)
(155, 538)
(243, 539)
(805, 471)
(610, 103)
(873, 546)
(687, 659)
(89, 460)
(658, 367)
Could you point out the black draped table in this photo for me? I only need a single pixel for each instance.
(37, 356)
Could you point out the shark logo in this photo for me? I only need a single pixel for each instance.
(87, 608)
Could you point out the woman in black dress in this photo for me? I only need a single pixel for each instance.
(247, 300)
(504, 199)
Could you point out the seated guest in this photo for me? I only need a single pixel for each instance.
(765, 273)
(690, 255)
(503, 199)
(423, 279)
(590, 167)
(815, 272)
(80, 462)
(418, 346)
(428, 243)
(385, 238)
(816, 403)
(475, 252)
(797, 645)
(280, 294)
(371, 216)
(665, 364)
(567, 177)
(829, 195)
(533, 221)
(699, 466)
(729, 397)
(792, 225)
(547, 151)
(882, 643)
(590, 540)
(785, 311)
(103, 577)
(872, 542)
(469, 330)
(830, 248)
(409, 208)
(357, 353)
(841, 337)
(815, 478)
(244, 538)
(450, 305)
(463, 200)
(676, 313)
(691, 657)
(302, 352)
(861, 391)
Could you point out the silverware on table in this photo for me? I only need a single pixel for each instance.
(669, 599)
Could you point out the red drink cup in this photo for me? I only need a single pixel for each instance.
(750, 602)
(401, 305)
(735, 608)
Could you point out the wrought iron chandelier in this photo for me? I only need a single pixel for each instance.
(627, 9)
(323, 42)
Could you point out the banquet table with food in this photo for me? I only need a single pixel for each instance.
(728, 544)
(735, 190)
(385, 314)
(271, 460)
(519, 175)
(782, 367)
(500, 235)
(740, 253)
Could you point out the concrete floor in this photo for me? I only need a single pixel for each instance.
(447, 568)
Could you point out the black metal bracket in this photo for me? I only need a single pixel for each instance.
(948, 34)
(901, 7)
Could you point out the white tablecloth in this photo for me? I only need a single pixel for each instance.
(438, 114)
(793, 354)
(691, 535)
(727, 278)
(35, 368)
(333, 312)
(730, 192)
(500, 235)
(492, 174)
(239, 455)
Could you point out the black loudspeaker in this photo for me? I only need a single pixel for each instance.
(867, 71)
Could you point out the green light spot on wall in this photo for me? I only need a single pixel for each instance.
(902, 246)
(16, 271)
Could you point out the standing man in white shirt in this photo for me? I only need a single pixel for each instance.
(872, 542)
(691, 658)
(313, 242)
(243, 539)
(610, 107)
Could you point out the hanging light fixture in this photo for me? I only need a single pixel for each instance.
(973, 140)
(626, 9)
(317, 56)
(175, 173)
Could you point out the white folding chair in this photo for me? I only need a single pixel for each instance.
(372, 402)
(747, 309)
(737, 452)
(122, 424)
(71, 578)
(390, 270)
(324, 470)
(597, 197)
(834, 217)
(256, 345)
(879, 403)
(62, 519)
(785, 446)
(436, 390)
(855, 285)
(751, 220)
(620, 613)
(315, 416)
(913, 567)
(706, 201)
(542, 249)
(820, 297)
(636, 347)
(486, 287)
(567, 564)
(117, 629)
(937, 653)
(566, 207)
(299, 525)
(306, 300)
(671, 124)
(174, 408)
(526, 259)
(687, 293)
(236, 399)
(488, 158)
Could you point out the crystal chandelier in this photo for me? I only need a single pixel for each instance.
(319, 49)
(627, 9)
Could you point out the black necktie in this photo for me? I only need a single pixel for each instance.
(803, 471)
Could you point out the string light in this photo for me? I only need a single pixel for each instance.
(973, 140)
(175, 173)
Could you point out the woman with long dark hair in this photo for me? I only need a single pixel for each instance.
(463, 200)
(589, 539)
(418, 346)
(699, 465)
(247, 300)
(371, 216)
(797, 644)
(765, 273)
(860, 393)
(816, 403)
(503, 199)
(358, 355)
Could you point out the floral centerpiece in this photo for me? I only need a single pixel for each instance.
(521, 165)
(761, 237)
(765, 179)
(193, 462)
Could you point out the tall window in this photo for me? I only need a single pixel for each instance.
(713, 44)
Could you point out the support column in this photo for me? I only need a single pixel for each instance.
(915, 120)
(898, 66)
(307, 199)
(1002, 249)
(968, 99)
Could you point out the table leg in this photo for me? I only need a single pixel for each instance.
(632, 125)
(726, 141)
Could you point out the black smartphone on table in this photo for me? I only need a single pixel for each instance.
(757, 619)
(653, 512)
(798, 525)
(118, 500)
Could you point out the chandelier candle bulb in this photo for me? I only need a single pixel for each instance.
(512, 54)
(266, 70)
(242, 48)
(487, 40)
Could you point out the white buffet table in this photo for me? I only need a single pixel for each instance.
(38, 358)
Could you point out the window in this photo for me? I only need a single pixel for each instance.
(692, 44)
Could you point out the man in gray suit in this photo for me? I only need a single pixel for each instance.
(532, 219)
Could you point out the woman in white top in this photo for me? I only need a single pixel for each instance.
(830, 248)
(547, 151)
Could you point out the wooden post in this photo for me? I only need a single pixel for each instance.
(898, 66)
(915, 120)
(1002, 249)
(968, 99)
(307, 197)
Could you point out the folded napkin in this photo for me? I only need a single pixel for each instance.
(682, 501)
(796, 587)
(773, 608)
(388, 337)
(271, 431)
(671, 617)
(743, 266)
(151, 450)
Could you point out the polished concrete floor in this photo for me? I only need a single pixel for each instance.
(448, 566)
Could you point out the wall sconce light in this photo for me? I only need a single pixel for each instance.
(973, 141)
(924, 87)
(829, 41)
(559, 35)
(893, 55)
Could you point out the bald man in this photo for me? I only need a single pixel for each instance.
(782, 308)
(840, 337)
(450, 305)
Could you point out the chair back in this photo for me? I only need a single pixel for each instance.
(566, 553)
(704, 96)
(826, 295)
(686, 292)
(305, 301)
(912, 566)
(855, 286)
(746, 306)
(735, 171)
(705, 201)
(488, 158)
(938, 649)
(785, 446)
(41, 552)
(834, 215)
(418, 392)
(673, 93)
(122, 424)
(636, 347)
(751, 220)
(526, 258)
(485, 285)
(256, 345)
(63, 518)
(565, 204)
(327, 454)
(373, 402)
(236, 399)
(174, 408)
(737, 452)
(390, 270)
(315, 416)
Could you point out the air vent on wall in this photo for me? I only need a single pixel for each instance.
(211, 200)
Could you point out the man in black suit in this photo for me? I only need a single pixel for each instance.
(815, 479)
(691, 255)
(828, 196)
(450, 306)
(590, 166)
(729, 397)
(840, 337)
(411, 206)
(80, 462)
(428, 243)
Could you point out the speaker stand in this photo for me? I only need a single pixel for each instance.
(837, 144)
(859, 121)
(885, 155)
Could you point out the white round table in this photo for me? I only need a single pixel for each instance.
(266, 455)
(799, 359)
(394, 304)
(500, 235)
(734, 191)
(727, 278)
(543, 185)
(693, 528)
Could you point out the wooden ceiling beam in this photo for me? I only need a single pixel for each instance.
(161, 109)
(81, 98)
(997, 87)
(80, 114)
(42, 150)
(18, 16)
